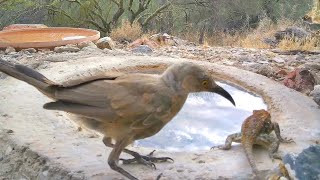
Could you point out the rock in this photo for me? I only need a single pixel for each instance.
(278, 60)
(45, 51)
(144, 49)
(263, 69)
(263, 62)
(105, 42)
(86, 44)
(143, 41)
(280, 172)
(8, 150)
(9, 131)
(10, 50)
(282, 73)
(301, 80)
(163, 39)
(313, 66)
(67, 48)
(292, 32)
(315, 94)
(29, 50)
(271, 42)
(307, 164)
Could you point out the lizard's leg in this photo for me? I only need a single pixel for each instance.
(269, 142)
(146, 160)
(277, 131)
(236, 137)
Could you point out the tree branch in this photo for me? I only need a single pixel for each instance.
(155, 13)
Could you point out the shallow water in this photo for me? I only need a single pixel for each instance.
(205, 120)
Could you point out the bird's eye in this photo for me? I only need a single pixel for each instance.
(205, 83)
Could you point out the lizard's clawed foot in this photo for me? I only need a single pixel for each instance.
(147, 160)
(222, 147)
(274, 156)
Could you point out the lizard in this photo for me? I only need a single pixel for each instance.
(256, 129)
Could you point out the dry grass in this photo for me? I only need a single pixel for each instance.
(255, 38)
(127, 31)
(288, 44)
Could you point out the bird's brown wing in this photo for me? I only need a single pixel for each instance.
(89, 77)
(132, 99)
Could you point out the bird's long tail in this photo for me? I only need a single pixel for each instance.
(27, 75)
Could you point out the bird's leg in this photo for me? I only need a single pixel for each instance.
(236, 137)
(114, 158)
(147, 160)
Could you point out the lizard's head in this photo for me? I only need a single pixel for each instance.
(263, 115)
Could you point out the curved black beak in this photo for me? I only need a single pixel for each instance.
(219, 90)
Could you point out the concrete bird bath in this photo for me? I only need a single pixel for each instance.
(205, 120)
(47, 144)
(45, 37)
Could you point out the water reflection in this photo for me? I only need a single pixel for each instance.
(206, 119)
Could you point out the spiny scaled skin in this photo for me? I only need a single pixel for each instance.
(258, 123)
(256, 129)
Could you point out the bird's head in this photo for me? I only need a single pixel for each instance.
(188, 77)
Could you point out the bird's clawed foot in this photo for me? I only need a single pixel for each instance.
(147, 160)
(286, 140)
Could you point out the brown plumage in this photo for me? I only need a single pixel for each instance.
(123, 107)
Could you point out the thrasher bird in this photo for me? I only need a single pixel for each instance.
(123, 107)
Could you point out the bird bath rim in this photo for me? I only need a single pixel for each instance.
(82, 35)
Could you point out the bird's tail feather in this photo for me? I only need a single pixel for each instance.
(27, 75)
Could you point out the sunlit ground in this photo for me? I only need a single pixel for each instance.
(205, 120)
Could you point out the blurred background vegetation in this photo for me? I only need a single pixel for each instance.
(191, 19)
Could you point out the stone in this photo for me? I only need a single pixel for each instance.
(67, 48)
(313, 66)
(90, 49)
(263, 69)
(278, 60)
(315, 94)
(86, 44)
(300, 80)
(9, 131)
(263, 62)
(29, 50)
(306, 164)
(143, 41)
(8, 150)
(105, 42)
(271, 42)
(281, 73)
(10, 50)
(292, 32)
(143, 49)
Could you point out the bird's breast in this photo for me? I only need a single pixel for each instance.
(176, 104)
